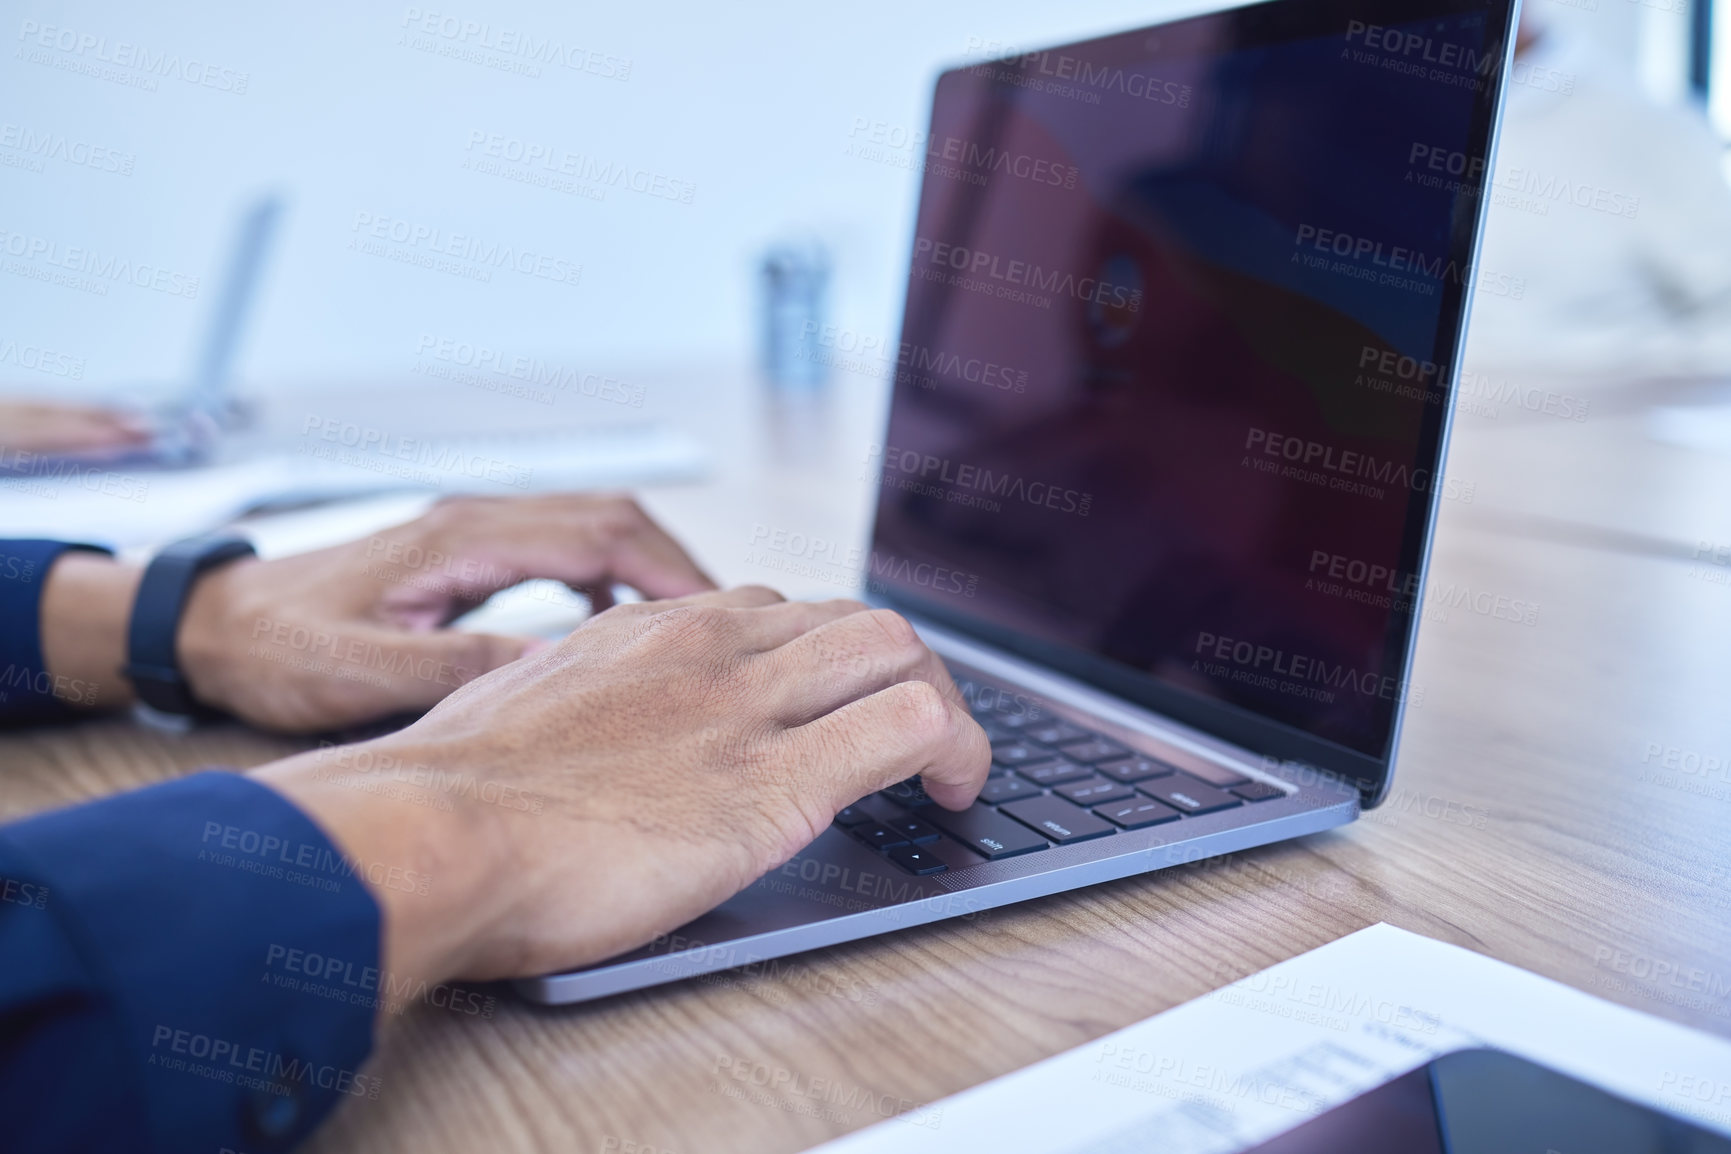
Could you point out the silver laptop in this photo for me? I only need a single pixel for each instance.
(1163, 455)
(186, 427)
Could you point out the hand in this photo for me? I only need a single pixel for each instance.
(47, 427)
(353, 633)
(643, 770)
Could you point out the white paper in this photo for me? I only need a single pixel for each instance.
(1269, 1052)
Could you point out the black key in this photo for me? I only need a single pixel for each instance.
(1138, 813)
(913, 829)
(1095, 749)
(852, 815)
(916, 860)
(1055, 772)
(910, 793)
(1014, 753)
(878, 835)
(1056, 733)
(1134, 769)
(1057, 819)
(996, 730)
(1006, 787)
(1183, 792)
(1094, 790)
(1258, 791)
(983, 830)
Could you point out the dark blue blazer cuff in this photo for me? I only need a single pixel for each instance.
(145, 1003)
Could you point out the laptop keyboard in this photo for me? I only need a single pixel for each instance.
(1052, 783)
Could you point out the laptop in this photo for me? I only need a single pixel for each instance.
(1163, 456)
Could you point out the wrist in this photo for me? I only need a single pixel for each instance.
(429, 870)
(86, 604)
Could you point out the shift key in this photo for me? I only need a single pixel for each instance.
(985, 831)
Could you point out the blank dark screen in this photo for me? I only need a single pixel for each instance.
(1171, 384)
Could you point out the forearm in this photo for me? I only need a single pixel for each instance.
(86, 602)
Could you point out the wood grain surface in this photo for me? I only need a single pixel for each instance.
(1554, 807)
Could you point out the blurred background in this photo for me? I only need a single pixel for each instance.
(735, 128)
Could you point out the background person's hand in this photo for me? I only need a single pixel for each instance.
(618, 784)
(51, 427)
(354, 633)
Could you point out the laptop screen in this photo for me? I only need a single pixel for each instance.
(1174, 371)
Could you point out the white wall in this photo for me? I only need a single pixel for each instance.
(754, 104)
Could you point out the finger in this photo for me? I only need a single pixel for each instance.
(770, 627)
(910, 728)
(851, 657)
(585, 541)
(738, 597)
(73, 428)
(369, 673)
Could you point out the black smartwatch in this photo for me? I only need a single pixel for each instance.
(152, 664)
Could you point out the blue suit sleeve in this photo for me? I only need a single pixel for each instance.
(28, 692)
(149, 947)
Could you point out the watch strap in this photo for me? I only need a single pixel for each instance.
(152, 662)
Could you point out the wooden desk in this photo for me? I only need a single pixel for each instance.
(1533, 819)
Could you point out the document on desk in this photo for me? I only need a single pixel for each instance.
(1267, 1053)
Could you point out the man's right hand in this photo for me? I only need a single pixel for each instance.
(648, 767)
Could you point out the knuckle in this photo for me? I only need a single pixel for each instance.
(921, 711)
(763, 591)
(620, 517)
(897, 633)
(689, 623)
